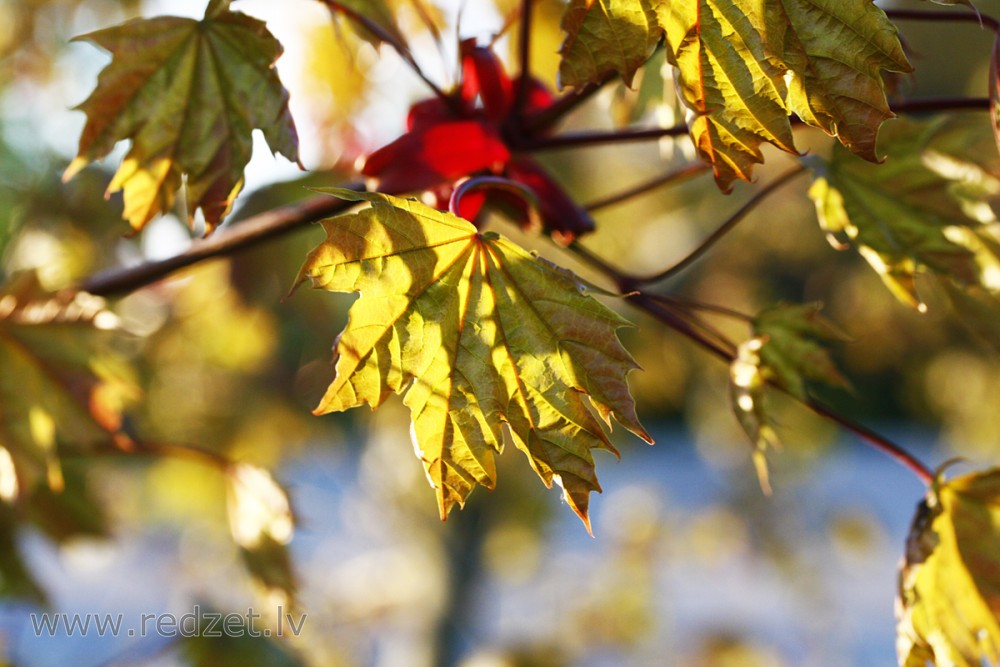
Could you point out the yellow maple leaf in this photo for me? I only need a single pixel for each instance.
(478, 334)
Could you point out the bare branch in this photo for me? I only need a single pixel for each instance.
(248, 233)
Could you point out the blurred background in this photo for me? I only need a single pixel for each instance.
(690, 564)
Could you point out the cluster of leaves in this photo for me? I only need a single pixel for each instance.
(486, 340)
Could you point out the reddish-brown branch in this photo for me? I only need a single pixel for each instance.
(937, 16)
(655, 306)
(880, 442)
(936, 104)
(248, 233)
(580, 139)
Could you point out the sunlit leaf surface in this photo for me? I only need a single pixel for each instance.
(477, 333)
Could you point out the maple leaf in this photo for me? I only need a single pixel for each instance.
(604, 36)
(742, 67)
(949, 585)
(477, 333)
(60, 392)
(787, 348)
(926, 209)
(835, 52)
(188, 94)
(794, 349)
(58, 388)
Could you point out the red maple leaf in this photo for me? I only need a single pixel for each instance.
(466, 134)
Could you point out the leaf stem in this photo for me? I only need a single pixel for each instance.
(725, 227)
(598, 137)
(496, 183)
(248, 233)
(933, 104)
(880, 442)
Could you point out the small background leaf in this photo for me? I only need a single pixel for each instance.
(787, 349)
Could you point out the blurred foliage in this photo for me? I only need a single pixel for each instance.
(229, 368)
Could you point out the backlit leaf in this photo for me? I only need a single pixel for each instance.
(836, 51)
(747, 386)
(927, 209)
(604, 36)
(477, 333)
(949, 588)
(743, 67)
(730, 77)
(188, 95)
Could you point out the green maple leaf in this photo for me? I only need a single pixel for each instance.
(188, 95)
(743, 66)
(477, 333)
(949, 597)
(927, 209)
(60, 389)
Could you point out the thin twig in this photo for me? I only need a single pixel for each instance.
(580, 139)
(692, 305)
(984, 20)
(725, 227)
(935, 104)
(383, 35)
(248, 233)
(880, 442)
(654, 306)
(524, 82)
(671, 177)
